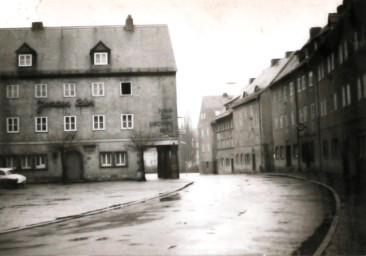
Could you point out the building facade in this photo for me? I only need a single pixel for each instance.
(211, 107)
(74, 101)
(317, 102)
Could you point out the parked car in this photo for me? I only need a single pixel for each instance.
(10, 179)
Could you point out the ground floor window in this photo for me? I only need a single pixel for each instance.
(334, 148)
(113, 159)
(24, 162)
(247, 158)
(295, 151)
(282, 152)
(362, 146)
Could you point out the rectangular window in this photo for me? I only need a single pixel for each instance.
(311, 79)
(69, 90)
(276, 123)
(106, 159)
(11, 162)
(41, 90)
(284, 93)
(313, 111)
(25, 60)
(277, 153)
(100, 58)
(355, 39)
(281, 122)
(69, 123)
(26, 162)
(332, 64)
(120, 158)
(127, 121)
(335, 101)
(247, 158)
(293, 118)
(12, 125)
(348, 94)
(301, 116)
(279, 94)
(328, 64)
(324, 107)
(299, 84)
(126, 88)
(303, 82)
(12, 91)
(359, 88)
(340, 54)
(98, 122)
(305, 114)
(98, 89)
(291, 88)
(345, 50)
(41, 124)
(344, 96)
(364, 85)
(41, 162)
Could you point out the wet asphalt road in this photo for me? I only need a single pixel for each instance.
(217, 215)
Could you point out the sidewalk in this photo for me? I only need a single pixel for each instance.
(38, 203)
(350, 235)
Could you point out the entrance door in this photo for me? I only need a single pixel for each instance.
(288, 155)
(232, 165)
(254, 163)
(73, 166)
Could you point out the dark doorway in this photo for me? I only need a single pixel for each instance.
(215, 167)
(232, 165)
(168, 162)
(288, 155)
(73, 166)
(253, 162)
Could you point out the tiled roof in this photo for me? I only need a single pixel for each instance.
(215, 102)
(67, 49)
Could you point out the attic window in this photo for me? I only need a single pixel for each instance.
(245, 94)
(25, 60)
(100, 58)
(26, 56)
(256, 88)
(100, 54)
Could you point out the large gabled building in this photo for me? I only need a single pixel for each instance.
(74, 98)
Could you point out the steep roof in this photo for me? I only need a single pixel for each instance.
(214, 102)
(266, 77)
(67, 49)
(291, 65)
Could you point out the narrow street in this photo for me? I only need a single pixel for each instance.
(217, 215)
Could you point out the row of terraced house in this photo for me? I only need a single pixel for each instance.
(305, 112)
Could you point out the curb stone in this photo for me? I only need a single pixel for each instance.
(328, 237)
(108, 208)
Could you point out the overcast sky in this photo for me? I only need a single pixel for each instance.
(218, 44)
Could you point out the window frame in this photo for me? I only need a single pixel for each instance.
(70, 124)
(97, 84)
(10, 89)
(8, 125)
(36, 123)
(26, 64)
(120, 88)
(43, 88)
(98, 122)
(128, 127)
(68, 86)
(100, 63)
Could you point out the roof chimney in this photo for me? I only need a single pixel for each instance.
(333, 18)
(314, 31)
(288, 54)
(274, 62)
(251, 80)
(37, 25)
(129, 24)
(225, 95)
(340, 9)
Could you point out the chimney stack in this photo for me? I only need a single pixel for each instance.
(225, 95)
(251, 80)
(333, 19)
(129, 24)
(314, 31)
(37, 25)
(274, 62)
(288, 54)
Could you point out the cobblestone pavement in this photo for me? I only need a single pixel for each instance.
(350, 235)
(36, 203)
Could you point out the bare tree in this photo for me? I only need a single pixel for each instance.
(139, 141)
(186, 144)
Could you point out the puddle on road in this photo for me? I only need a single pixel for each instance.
(173, 197)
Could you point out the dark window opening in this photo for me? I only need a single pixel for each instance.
(126, 88)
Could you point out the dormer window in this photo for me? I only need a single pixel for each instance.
(26, 56)
(100, 58)
(100, 55)
(25, 60)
